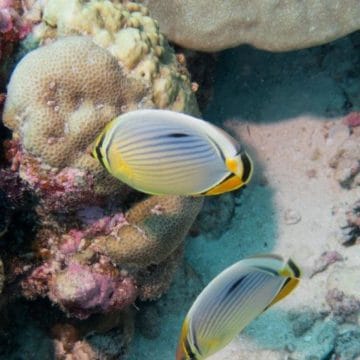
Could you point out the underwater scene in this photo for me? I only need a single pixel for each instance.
(179, 180)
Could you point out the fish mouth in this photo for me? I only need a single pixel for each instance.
(248, 168)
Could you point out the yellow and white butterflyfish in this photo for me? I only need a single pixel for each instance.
(169, 153)
(232, 300)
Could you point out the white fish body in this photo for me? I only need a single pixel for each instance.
(165, 152)
(231, 301)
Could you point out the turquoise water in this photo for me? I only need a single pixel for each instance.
(267, 92)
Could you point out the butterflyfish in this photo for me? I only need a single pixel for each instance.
(169, 153)
(232, 300)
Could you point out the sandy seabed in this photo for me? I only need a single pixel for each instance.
(288, 110)
(291, 112)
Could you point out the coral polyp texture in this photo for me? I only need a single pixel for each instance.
(108, 264)
(156, 228)
(127, 31)
(59, 97)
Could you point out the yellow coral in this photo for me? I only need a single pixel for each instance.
(133, 37)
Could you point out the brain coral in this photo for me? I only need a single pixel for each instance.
(275, 25)
(60, 96)
(127, 31)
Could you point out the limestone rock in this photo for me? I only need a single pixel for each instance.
(266, 24)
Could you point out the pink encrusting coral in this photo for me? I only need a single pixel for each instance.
(14, 25)
(108, 261)
(76, 277)
(81, 290)
(73, 241)
(67, 189)
(11, 22)
(353, 119)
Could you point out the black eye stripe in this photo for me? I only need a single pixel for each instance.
(98, 151)
(178, 135)
(188, 350)
(247, 167)
(294, 268)
(235, 285)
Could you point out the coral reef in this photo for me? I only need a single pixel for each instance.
(56, 113)
(108, 264)
(326, 259)
(103, 337)
(82, 289)
(269, 25)
(127, 31)
(17, 18)
(303, 321)
(14, 25)
(347, 345)
(89, 255)
(37, 331)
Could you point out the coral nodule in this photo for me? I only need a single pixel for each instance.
(59, 97)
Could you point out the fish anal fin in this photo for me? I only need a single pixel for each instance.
(231, 183)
